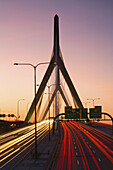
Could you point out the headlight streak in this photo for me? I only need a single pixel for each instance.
(32, 135)
(20, 131)
(42, 129)
(42, 137)
(38, 131)
(6, 139)
(16, 135)
(9, 154)
(15, 156)
(14, 132)
(6, 152)
(15, 141)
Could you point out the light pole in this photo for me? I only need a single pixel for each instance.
(53, 103)
(86, 103)
(18, 108)
(94, 100)
(49, 103)
(34, 67)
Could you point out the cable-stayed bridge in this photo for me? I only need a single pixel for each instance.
(75, 143)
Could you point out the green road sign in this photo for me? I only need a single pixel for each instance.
(84, 113)
(78, 113)
(95, 112)
(75, 113)
(68, 109)
(68, 112)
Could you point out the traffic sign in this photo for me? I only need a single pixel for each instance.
(68, 112)
(75, 113)
(68, 109)
(84, 113)
(96, 112)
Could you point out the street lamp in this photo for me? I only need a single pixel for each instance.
(94, 100)
(53, 103)
(18, 108)
(49, 104)
(86, 103)
(34, 67)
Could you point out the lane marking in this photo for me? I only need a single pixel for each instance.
(99, 159)
(75, 147)
(90, 146)
(78, 162)
(93, 151)
(76, 153)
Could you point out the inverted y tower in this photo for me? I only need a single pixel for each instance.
(58, 59)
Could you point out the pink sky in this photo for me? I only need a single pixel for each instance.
(86, 41)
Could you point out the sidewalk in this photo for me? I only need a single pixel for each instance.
(45, 149)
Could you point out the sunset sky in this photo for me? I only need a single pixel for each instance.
(86, 41)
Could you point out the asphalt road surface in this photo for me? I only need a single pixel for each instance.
(83, 147)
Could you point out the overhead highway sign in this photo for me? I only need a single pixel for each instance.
(95, 112)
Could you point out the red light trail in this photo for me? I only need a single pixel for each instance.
(75, 151)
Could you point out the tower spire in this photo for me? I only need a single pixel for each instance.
(56, 54)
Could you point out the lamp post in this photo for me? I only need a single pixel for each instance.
(34, 67)
(49, 103)
(18, 108)
(53, 103)
(94, 100)
(86, 103)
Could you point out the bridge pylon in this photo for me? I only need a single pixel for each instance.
(56, 63)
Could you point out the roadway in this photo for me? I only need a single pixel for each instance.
(80, 146)
(106, 128)
(83, 147)
(17, 144)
